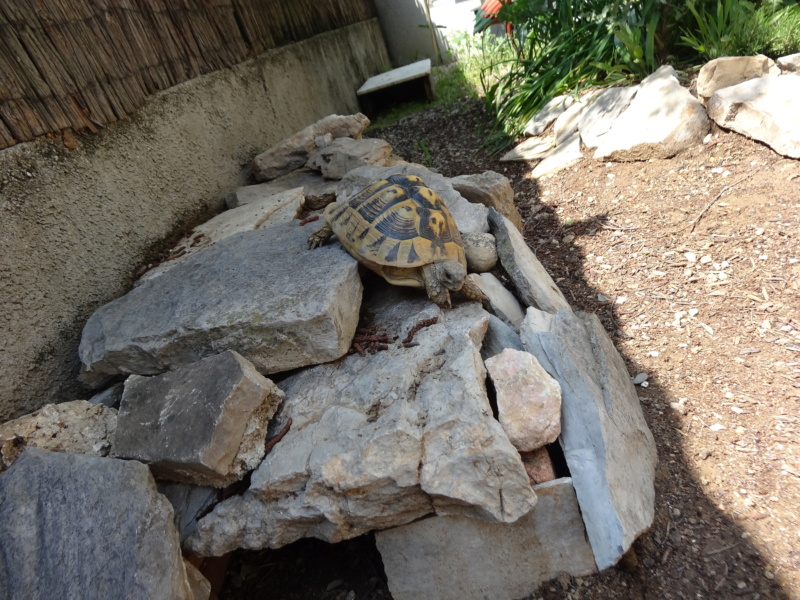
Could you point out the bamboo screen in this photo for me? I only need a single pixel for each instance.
(85, 63)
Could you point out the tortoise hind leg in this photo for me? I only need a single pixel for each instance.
(320, 237)
(436, 291)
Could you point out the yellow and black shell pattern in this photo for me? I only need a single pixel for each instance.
(397, 222)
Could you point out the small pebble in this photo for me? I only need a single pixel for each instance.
(705, 259)
(648, 562)
(760, 231)
(640, 378)
(717, 427)
(769, 575)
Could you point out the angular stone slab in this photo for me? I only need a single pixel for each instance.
(534, 285)
(75, 526)
(490, 189)
(730, 70)
(469, 217)
(76, 427)
(548, 113)
(381, 440)
(276, 209)
(566, 154)
(607, 444)
(530, 149)
(764, 109)
(501, 302)
(204, 423)
(415, 70)
(528, 399)
(189, 503)
(599, 117)
(343, 155)
(261, 293)
(455, 558)
(661, 120)
(567, 123)
(292, 153)
(317, 191)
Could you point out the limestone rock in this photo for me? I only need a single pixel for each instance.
(276, 209)
(730, 70)
(293, 152)
(790, 63)
(764, 109)
(469, 217)
(528, 399)
(661, 120)
(77, 526)
(381, 440)
(566, 154)
(567, 123)
(455, 558)
(499, 336)
(599, 117)
(262, 293)
(533, 283)
(490, 189)
(501, 302)
(76, 427)
(317, 191)
(204, 423)
(530, 149)
(199, 585)
(343, 155)
(548, 113)
(480, 251)
(608, 447)
(189, 503)
(538, 465)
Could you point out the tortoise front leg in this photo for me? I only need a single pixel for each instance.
(436, 291)
(320, 237)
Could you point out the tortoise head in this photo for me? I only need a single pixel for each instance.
(450, 273)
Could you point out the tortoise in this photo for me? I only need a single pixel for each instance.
(402, 230)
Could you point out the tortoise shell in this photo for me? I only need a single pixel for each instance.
(397, 222)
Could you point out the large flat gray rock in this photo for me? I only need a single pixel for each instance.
(342, 155)
(456, 558)
(731, 70)
(381, 440)
(566, 154)
(661, 120)
(490, 189)
(607, 444)
(469, 217)
(547, 114)
(75, 526)
(261, 293)
(189, 503)
(764, 109)
(204, 423)
(534, 285)
(598, 118)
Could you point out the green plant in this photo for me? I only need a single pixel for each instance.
(426, 155)
(714, 34)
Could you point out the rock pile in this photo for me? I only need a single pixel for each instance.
(658, 118)
(319, 401)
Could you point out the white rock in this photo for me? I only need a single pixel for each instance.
(480, 250)
(547, 114)
(607, 444)
(790, 63)
(567, 123)
(381, 440)
(661, 120)
(559, 158)
(317, 191)
(455, 558)
(764, 109)
(530, 149)
(599, 117)
(274, 209)
(501, 302)
(730, 70)
(528, 399)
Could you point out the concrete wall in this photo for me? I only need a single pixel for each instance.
(76, 224)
